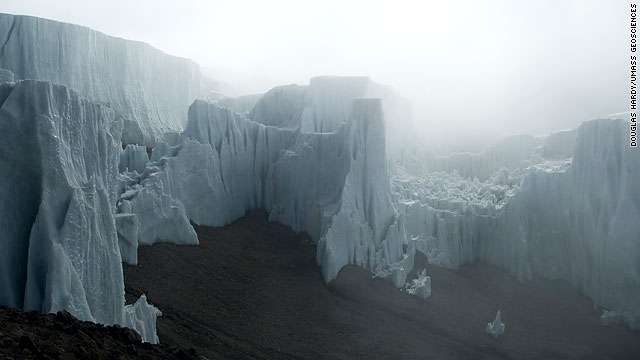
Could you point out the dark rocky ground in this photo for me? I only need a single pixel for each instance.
(29, 335)
(252, 289)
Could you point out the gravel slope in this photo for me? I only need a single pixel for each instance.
(252, 289)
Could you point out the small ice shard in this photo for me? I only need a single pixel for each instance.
(420, 287)
(610, 318)
(142, 317)
(496, 328)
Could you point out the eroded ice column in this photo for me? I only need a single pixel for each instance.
(364, 231)
(60, 158)
(58, 242)
(495, 328)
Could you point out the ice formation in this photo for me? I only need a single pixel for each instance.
(496, 328)
(133, 158)
(327, 102)
(149, 89)
(569, 211)
(59, 246)
(334, 158)
(6, 76)
(610, 318)
(142, 316)
(334, 186)
(420, 287)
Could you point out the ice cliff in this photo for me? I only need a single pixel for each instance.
(327, 102)
(149, 89)
(334, 186)
(59, 246)
(335, 158)
(568, 210)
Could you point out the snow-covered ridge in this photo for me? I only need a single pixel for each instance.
(148, 88)
(59, 185)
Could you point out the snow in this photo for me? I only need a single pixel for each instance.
(496, 328)
(150, 89)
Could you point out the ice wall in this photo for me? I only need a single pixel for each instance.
(582, 224)
(58, 243)
(59, 157)
(364, 231)
(327, 101)
(572, 218)
(512, 152)
(148, 88)
(240, 104)
(6, 76)
(333, 186)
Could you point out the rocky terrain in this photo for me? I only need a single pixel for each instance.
(30, 335)
(252, 290)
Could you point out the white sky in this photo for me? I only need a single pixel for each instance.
(473, 67)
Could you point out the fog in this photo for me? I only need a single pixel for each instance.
(473, 70)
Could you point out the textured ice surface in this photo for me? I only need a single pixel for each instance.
(496, 328)
(6, 76)
(59, 188)
(327, 101)
(334, 186)
(142, 317)
(241, 104)
(420, 287)
(610, 318)
(564, 206)
(364, 231)
(569, 211)
(148, 88)
(133, 158)
(59, 248)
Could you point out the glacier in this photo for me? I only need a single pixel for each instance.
(327, 102)
(59, 187)
(336, 158)
(149, 89)
(568, 211)
(334, 186)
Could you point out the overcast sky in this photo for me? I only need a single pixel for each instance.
(471, 67)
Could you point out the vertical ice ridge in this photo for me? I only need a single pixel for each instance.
(567, 212)
(6, 39)
(123, 74)
(62, 150)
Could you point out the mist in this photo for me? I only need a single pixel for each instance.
(149, 210)
(474, 71)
